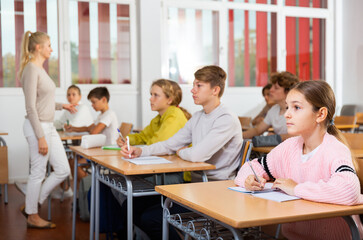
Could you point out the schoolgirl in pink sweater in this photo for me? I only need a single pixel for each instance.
(315, 166)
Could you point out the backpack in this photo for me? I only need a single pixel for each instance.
(84, 186)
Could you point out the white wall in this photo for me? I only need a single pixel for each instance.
(12, 108)
(352, 60)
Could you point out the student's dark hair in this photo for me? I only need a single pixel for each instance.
(285, 79)
(319, 94)
(172, 90)
(214, 75)
(99, 92)
(266, 87)
(75, 87)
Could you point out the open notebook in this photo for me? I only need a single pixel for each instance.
(148, 160)
(267, 193)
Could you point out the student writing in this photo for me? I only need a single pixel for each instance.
(317, 165)
(216, 135)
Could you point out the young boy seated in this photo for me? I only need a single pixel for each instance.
(82, 117)
(106, 123)
(216, 135)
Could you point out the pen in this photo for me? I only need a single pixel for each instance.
(128, 144)
(249, 163)
(120, 134)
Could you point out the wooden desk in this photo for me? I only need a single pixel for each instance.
(235, 211)
(358, 153)
(4, 170)
(346, 126)
(127, 172)
(262, 149)
(67, 136)
(87, 154)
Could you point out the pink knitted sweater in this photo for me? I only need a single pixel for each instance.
(328, 176)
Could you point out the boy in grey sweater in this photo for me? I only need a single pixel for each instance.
(216, 137)
(215, 132)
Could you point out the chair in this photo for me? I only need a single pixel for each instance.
(125, 128)
(359, 116)
(245, 152)
(348, 110)
(345, 120)
(245, 122)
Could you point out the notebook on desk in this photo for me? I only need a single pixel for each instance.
(267, 193)
(148, 160)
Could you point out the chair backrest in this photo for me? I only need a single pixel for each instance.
(348, 110)
(245, 121)
(359, 116)
(355, 140)
(125, 128)
(245, 152)
(345, 120)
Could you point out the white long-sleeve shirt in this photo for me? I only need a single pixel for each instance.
(216, 138)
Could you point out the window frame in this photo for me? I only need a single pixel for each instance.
(65, 79)
(281, 11)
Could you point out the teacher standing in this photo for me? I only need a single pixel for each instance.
(43, 139)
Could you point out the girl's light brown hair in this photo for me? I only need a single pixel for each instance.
(28, 44)
(319, 94)
(172, 90)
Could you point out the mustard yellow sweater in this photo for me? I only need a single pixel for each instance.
(160, 128)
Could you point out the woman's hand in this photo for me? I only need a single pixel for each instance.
(42, 146)
(68, 128)
(134, 151)
(120, 142)
(252, 184)
(70, 107)
(286, 185)
(177, 152)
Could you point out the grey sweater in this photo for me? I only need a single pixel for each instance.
(216, 138)
(39, 92)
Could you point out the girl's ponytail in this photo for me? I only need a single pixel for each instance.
(25, 54)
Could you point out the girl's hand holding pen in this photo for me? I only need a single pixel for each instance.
(252, 184)
(134, 151)
(286, 185)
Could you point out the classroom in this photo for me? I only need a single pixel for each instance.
(125, 45)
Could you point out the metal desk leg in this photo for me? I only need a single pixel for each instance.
(50, 195)
(97, 204)
(129, 209)
(92, 213)
(74, 210)
(204, 177)
(6, 193)
(166, 207)
(353, 227)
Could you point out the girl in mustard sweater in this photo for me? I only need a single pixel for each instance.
(165, 97)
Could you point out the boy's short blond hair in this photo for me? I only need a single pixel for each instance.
(214, 75)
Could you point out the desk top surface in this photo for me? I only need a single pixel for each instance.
(91, 152)
(357, 153)
(346, 126)
(241, 210)
(262, 149)
(3, 133)
(117, 164)
(64, 136)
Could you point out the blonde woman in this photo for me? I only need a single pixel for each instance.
(44, 142)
